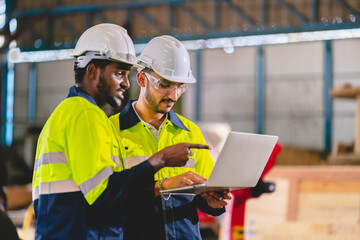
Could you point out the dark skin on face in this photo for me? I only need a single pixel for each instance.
(107, 85)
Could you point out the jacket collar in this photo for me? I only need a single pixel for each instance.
(128, 118)
(74, 92)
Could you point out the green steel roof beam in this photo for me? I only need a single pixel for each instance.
(348, 8)
(149, 19)
(292, 11)
(315, 10)
(195, 17)
(239, 12)
(61, 10)
(68, 27)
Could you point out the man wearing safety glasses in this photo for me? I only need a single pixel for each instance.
(147, 126)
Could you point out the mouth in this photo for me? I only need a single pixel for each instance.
(169, 103)
(120, 94)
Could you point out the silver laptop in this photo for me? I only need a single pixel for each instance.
(240, 164)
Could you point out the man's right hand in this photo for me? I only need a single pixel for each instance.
(174, 156)
(183, 180)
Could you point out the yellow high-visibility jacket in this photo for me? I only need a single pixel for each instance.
(78, 174)
(138, 144)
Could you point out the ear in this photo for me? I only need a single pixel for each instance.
(91, 71)
(141, 79)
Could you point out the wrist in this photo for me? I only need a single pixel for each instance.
(156, 189)
(164, 183)
(157, 162)
(164, 196)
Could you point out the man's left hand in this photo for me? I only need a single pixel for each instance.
(217, 199)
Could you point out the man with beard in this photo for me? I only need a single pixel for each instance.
(80, 186)
(149, 124)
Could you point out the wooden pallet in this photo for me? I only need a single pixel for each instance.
(343, 154)
(340, 153)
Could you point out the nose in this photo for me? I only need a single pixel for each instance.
(126, 83)
(175, 94)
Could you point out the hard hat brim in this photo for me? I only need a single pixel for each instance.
(190, 79)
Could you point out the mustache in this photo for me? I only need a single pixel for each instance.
(168, 100)
(121, 89)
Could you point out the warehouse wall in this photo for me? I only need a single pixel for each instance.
(21, 99)
(294, 101)
(294, 90)
(346, 71)
(53, 82)
(294, 93)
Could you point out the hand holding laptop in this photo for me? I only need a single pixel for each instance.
(217, 199)
(240, 164)
(214, 199)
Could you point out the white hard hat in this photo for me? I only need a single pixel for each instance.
(168, 57)
(104, 41)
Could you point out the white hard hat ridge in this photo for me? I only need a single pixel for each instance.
(169, 58)
(105, 41)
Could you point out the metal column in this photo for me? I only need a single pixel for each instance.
(328, 82)
(260, 90)
(32, 94)
(198, 57)
(7, 105)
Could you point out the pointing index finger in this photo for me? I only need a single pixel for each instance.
(198, 146)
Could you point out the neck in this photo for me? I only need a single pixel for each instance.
(147, 114)
(85, 86)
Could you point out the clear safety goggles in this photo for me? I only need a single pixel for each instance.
(165, 86)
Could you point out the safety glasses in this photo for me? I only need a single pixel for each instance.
(165, 86)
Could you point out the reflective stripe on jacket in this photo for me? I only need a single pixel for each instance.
(78, 178)
(138, 143)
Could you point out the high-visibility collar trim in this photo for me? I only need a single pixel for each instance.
(128, 118)
(74, 92)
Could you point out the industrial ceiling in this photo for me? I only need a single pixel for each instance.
(57, 24)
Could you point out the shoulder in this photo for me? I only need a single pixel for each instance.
(188, 123)
(75, 109)
(78, 104)
(115, 118)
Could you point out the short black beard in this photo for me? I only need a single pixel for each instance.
(105, 92)
(152, 102)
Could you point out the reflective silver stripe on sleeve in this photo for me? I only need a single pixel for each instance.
(62, 186)
(93, 182)
(50, 158)
(116, 160)
(133, 161)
